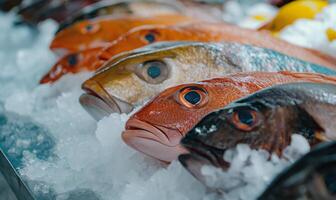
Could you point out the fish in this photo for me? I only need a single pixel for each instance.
(80, 61)
(313, 177)
(136, 76)
(7, 5)
(210, 32)
(202, 32)
(39, 10)
(264, 120)
(101, 31)
(124, 8)
(158, 127)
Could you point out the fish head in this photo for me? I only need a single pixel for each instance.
(79, 61)
(264, 120)
(135, 77)
(145, 35)
(174, 112)
(311, 177)
(82, 35)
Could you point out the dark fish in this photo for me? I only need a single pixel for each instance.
(313, 177)
(266, 120)
(58, 10)
(120, 9)
(7, 5)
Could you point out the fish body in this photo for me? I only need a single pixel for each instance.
(58, 10)
(313, 177)
(263, 120)
(124, 8)
(211, 32)
(73, 63)
(100, 31)
(157, 128)
(147, 71)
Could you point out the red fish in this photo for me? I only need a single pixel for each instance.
(158, 127)
(100, 31)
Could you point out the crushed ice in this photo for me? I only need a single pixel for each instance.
(251, 170)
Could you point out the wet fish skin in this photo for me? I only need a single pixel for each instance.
(124, 8)
(174, 116)
(266, 120)
(103, 30)
(313, 177)
(182, 62)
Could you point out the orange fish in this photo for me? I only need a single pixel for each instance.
(100, 31)
(158, 127)
(211, 32)
(85, 60)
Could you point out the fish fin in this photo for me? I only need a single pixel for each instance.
(324, 115)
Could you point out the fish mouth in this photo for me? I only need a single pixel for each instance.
(205, 153)
(201, 155)
(100, 104)
(153, 140)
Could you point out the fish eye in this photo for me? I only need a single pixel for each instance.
(90, 28)
(245, 119)
(72, 60)
(150, 37)
(193, 96)
(154, 71)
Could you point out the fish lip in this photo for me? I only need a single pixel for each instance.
(214, 155)
(151, 140)
(106, 98)
(95, 106)
(136, 124)
(100, 106)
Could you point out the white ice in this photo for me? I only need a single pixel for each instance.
(251, 170)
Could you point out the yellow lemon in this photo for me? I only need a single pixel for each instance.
(301, 9)
(331, 34)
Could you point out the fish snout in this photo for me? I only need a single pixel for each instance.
(199, 149)
(99, 103)
(155, 141)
